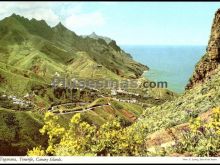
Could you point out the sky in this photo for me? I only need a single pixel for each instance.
(129, 23)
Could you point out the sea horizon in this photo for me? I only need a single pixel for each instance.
(167, 62)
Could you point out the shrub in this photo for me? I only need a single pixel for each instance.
(202, 139)
(83, 139)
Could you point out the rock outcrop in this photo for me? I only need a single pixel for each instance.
(211, 60)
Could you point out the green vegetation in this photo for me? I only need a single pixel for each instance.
(32, 53)
(117, 105)
(35, 46)
(19, 132)
(82, 139)
(111, 139)
(203, 139)
(198, 100)
(102, 110)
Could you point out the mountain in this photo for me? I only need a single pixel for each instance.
(59, 49)
(108, 41)
(60, 44)
(211, 60)
(95, 36)
(31, 52)
(188, 125)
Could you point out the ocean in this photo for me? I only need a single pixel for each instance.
(173, 64)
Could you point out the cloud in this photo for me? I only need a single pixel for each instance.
(30, 10)
(64, 9)
(77, 21)
(72, 15)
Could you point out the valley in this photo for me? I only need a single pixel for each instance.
(40, 116)
(32, 53)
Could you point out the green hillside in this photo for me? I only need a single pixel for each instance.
(35, 46)
(19, 132)
(31, 53)
(185, 126)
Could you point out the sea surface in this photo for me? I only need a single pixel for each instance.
(173, 64)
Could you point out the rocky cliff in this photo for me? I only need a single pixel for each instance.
(211, 60)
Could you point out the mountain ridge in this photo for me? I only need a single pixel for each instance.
(41, 36)
(95, 36)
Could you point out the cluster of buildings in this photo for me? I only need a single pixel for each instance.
(125, 100)
(120, 91)
(18, 101)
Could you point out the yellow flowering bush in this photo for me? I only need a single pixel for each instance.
(37, 151)
(203, 139)
(83, 139)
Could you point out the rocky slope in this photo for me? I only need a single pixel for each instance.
(211, 60)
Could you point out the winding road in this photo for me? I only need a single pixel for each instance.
(70, 111)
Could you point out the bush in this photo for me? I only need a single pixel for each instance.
(83, 139)
(202, 139)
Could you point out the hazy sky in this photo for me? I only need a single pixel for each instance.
(133, 23)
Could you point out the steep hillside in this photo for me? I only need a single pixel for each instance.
(31, 52)
(35, 46)
(195, 101)
(189, 125)
(211, 60)
(19, 132)
(169, 121)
